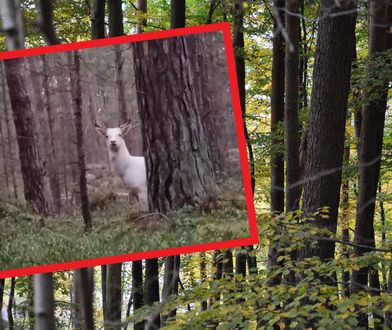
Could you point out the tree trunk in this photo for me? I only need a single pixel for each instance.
(119, 61)
(116, 24)
(137, 289)
(46, 22)
(2, 285)
(113, 297)
(177, 14)
(141, 5)
(98, 19)
(13, 26)
(104, 274)
(227, 267)
(277, 118)
(370, 147)
(78, 115)
(84, 285)
(5, 159)
(36, 183)
(151, 292)
(203, 276)
(188, 178)
(291, 136)
(10, 307)
(44, 301)
(331, 83)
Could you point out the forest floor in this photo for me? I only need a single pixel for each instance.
(27, 239)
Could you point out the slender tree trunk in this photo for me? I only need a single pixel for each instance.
(113, 297)
(116, 24)
(370, 148)
(10, 306)
(2, 286)
(331, 83)
(151, 292)
(36, 183)
(78, 115)
(84, 285)
(104, 275)
(98, 19)
(227, 267)
(137, 289)
(203, 276)
(5, 158)
(13, 27)
(122, 103)
(177, 14)
(46, 22)
(141, 5)
(277, 117)
(44, 301)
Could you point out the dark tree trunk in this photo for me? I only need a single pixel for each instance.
(53, 168)
(104, 274)
(291, 136)
(252, 261)
(46, 22)
(6, 161)
(370, 147)
(113, 297)
(98, 19)
(141, 5)
(203, 276)
(151, 292)
(84, 285)
(2, 285)
(137, 289)
(331, 83)
(78, 115)
(240, 264)
(227, 267)
(238, 45)
(44, 301)
(116, 24)
(277, 118)
(188, 178)
(177, 14)
(10, 305)
(36, 183)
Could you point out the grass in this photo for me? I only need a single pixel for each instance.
(26, 239)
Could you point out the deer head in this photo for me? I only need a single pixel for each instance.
(114, 136)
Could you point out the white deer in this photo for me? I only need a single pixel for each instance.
(131, 169)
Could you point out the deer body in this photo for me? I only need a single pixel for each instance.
(131, 169)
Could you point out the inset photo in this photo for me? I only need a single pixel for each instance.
(120, 149)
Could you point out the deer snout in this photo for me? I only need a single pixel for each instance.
(113, 142)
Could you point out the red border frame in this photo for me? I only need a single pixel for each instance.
(253, 239)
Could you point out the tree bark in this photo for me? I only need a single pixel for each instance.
(151, 292)
(331, 83)
(177, 14)
(370, 146)
(36, 183)
(277, 120)
(113, 297)
(76, 89)
(44, 301)
(98, 19)
(188, 178)
(84, 284)
(119, 61)
(46, 22)
(116, 24)
(137, 289)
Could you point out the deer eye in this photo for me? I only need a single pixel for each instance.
(120, 135)
(107, 136)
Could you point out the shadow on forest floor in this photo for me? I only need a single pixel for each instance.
(26, 239)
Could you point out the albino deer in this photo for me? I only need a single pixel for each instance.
(131, 170)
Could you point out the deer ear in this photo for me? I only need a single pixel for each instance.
(125, 128)
(100, 129)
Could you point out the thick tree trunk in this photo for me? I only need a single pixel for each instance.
(13, 26)
(113, 297)
(137, 289)
(141, 5)
(98, 19)
(177, 14)
(188, 178)
(370, 147)
(151, 292)
(44, 301)
(46, 22)
(116, 24)
(36, 183)
(78, 115)
(331, 83)
(291, 136)
(277, 117)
